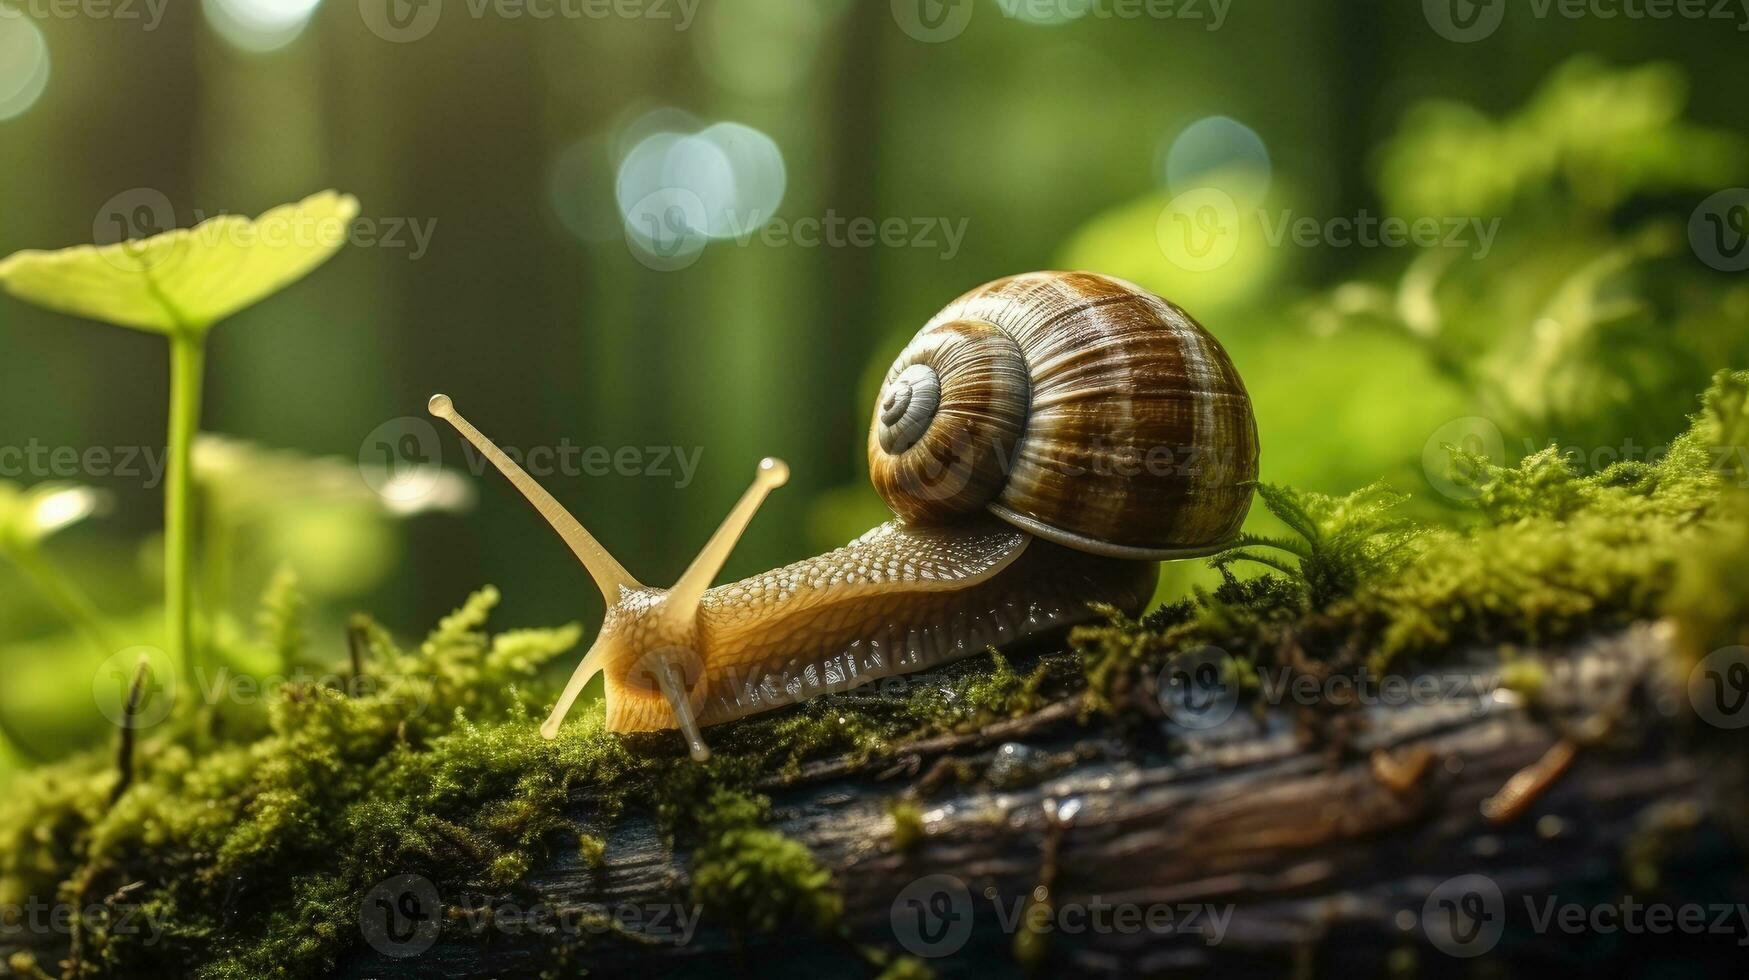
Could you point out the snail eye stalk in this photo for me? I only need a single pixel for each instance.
(610, 576)
(680, 605)
(683, 598)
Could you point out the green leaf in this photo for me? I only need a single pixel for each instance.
(189, 278)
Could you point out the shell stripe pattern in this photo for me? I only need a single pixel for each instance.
(1140, 433)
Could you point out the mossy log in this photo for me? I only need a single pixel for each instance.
(1306, 839)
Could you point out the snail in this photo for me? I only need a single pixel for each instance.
(1044, 441)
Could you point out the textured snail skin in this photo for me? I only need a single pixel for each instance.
(1080, 408)
(897, 600)
(1044, 440)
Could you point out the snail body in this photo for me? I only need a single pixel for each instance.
(1043, 441)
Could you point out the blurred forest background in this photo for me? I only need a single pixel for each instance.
(1590, 315)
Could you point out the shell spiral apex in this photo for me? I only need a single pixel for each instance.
(1078, 407)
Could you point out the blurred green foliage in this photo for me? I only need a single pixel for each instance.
(1587, 323)
(1590, 323)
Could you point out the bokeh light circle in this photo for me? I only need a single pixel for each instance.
(259, 26)
(665, 228)
(756, 167)
(24, 65)
(1045, 14)
(724, 181)
(678, 160)
(1217, 149)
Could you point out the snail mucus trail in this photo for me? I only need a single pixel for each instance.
(1044, 441)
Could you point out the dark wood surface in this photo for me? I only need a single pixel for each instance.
(1315, 855)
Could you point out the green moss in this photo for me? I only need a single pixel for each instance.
(758, 880)
(1710, 616)
(907, 824)
(254, 832)
(1549, 554)
(281, 619)
(428, 763)
(1525, 677)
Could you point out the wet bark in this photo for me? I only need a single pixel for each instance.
(1263, 845)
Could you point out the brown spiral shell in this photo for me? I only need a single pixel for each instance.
(1078, 407)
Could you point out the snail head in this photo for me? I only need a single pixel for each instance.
(649, 644)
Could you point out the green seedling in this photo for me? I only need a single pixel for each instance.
(179, 284)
